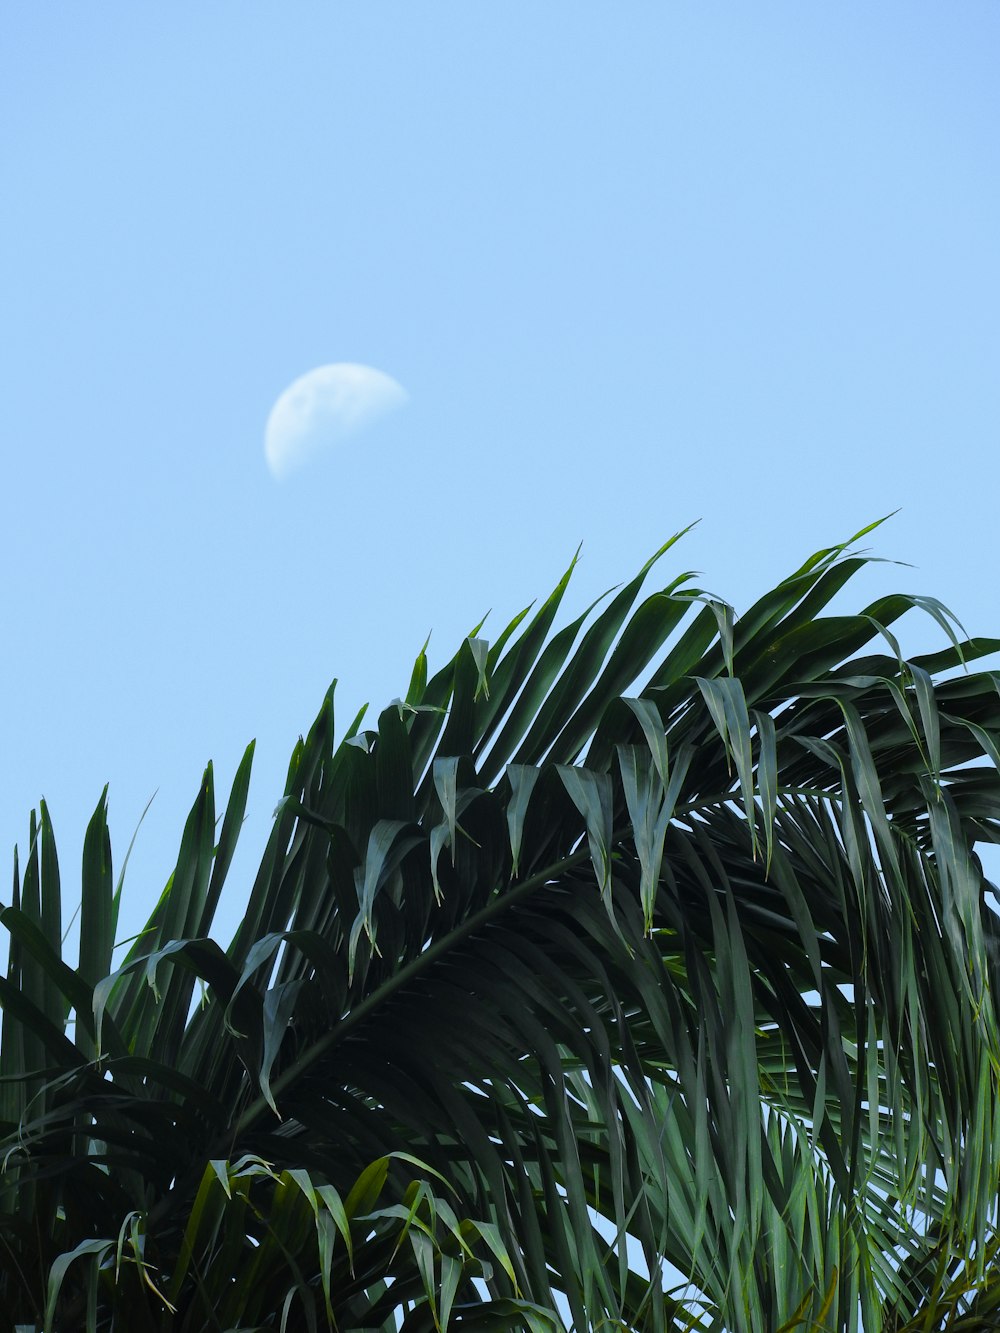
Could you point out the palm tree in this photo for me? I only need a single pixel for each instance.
(552, 1005)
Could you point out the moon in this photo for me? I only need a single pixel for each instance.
(323, 407)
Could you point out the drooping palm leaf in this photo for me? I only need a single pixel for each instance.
(685, 996)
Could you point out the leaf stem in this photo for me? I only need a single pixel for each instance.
(501, 903)
(402, 978)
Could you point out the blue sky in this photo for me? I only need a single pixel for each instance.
(634, 265)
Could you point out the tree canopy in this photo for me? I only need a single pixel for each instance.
(638, 973)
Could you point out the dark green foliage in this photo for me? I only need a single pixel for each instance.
(533, 968)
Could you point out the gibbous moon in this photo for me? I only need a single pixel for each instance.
(320, 409)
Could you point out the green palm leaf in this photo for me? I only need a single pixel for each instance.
(646, 985)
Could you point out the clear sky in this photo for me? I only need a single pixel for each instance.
(634, 265)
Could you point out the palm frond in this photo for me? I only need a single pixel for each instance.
(666, 957)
